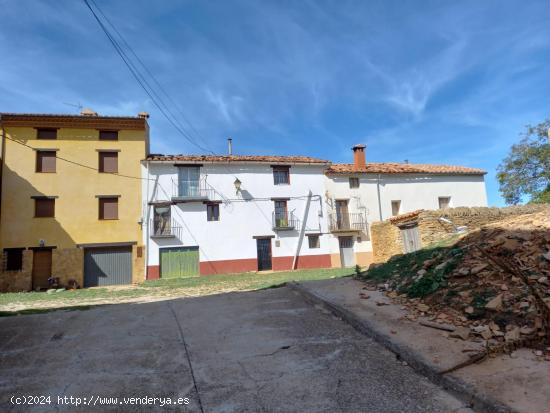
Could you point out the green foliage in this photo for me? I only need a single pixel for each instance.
(525, 172)
(357, 270)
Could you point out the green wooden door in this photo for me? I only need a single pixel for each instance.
(179, 262)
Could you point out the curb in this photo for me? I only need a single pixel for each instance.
(459, 388)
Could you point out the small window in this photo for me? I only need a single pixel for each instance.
(213, 212)
(108, 135)
(444, 202)
(13, 259)
(395, 207)
(108, 162)
(281, 175)
(44, 133)
(354, 183)
(108, 208)
(45, 161)
(44, 207)
(313, 241)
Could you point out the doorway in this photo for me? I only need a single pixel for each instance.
(41, 268)
(347, 257)
(263, 246)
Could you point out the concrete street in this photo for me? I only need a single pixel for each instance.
(265, 351)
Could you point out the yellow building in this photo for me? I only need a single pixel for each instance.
(70, 207)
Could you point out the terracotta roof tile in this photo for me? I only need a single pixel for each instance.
(406, 216)
(404, 168)
(237, 158)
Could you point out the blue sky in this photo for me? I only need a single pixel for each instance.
(432, 81)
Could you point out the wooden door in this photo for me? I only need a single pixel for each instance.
(342, 215)
(179, 262)
(264, 253)
(411, 239)
(41, 268)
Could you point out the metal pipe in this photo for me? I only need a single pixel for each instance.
(379, 201)
(302, 230)
(147, 215)
(230, 146)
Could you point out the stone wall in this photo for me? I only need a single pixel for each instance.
(15, 281)
(386, 235)
(68, 263)
(138, 264)
(432, 229)
(386, 241)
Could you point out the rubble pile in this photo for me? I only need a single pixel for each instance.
(492, 285)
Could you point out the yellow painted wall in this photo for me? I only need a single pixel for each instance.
(76, 210)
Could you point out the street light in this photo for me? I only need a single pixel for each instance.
(237, 184)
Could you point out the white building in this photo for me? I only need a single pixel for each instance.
(225, 214)
(361, 193)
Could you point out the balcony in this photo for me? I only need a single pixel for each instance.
(346, 222)
(284, 221)
(161, 228)
(192, 191)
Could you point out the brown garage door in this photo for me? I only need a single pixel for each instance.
(41, 268)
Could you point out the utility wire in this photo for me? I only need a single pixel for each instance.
(142, 81)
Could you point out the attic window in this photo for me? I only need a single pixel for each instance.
(353, 182)
(108, 135)
(281, 175)
(395, 207)
(444, 202)
(46, 133)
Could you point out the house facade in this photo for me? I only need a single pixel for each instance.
(70, 208)
(360, 193)
(226, 214)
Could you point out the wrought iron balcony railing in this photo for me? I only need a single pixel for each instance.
(347, 222)
(192, 190)
(161, 228)
(283, 220)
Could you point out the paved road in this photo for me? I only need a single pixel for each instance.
(266, 351)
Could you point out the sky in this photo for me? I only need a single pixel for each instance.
(450, 82)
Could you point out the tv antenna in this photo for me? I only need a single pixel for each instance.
(75, 105)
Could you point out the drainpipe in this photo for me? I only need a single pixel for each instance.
(379, 202)
(147, 215)
(302, 230)
(3, 160)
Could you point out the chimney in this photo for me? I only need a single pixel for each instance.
(359, 156)
(230, 146)
(143, 115)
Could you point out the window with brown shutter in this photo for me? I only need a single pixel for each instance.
(108, 162)
(45, 133)
(45, 161)
(281, 175)
(108, 208)
(108, 135)
(44, 207)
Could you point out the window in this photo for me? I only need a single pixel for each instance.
(44, 207)
(189, 178)
(45, 161)
(213, 212)
(13, 259)
(281, 175)
(44, 133)
(108, 208)
(354, 183)
(281, 214)
(162, 220)
(444, 202)
(108, 135)
(108, 162)
(313, 241)
(395, 207)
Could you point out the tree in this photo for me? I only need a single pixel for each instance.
(525, 172)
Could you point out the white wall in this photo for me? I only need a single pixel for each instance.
(232, 237)
(415, 191)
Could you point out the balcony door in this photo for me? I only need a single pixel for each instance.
(161, 220)
(281, 214)
(188, 181)
(342, 214)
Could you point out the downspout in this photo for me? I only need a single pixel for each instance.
(379, 202)
(147, 215)
(302, 230)
(3, 155)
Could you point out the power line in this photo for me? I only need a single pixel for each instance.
(142, 81)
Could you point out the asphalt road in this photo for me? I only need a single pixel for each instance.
(266, 351)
